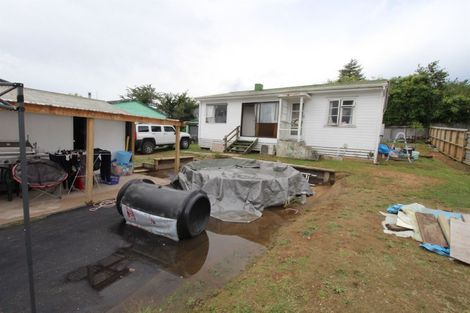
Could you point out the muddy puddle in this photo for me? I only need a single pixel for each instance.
(160, 272)
(196, 267)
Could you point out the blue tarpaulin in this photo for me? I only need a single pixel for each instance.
(394, 208)
(384, 149)
(436, 249)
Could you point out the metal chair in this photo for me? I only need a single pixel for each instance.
(81, 172)
(43, 175)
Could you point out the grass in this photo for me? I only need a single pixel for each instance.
(335, 257)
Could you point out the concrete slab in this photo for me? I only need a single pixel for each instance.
(12, 211)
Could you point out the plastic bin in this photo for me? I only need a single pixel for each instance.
(123, 157)
(113, 180)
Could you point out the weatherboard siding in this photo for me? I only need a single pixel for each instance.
(356, 140)
(110, 135)
(215, 132)
(51, 133)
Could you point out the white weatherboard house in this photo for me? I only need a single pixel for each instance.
(329, 119)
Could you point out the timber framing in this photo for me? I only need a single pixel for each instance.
(91, 115)
(62, 111)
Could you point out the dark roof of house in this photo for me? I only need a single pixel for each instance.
(305, 88)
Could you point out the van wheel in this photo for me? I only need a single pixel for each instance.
(148, 147)
(184, 143)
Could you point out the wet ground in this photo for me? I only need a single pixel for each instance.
(158, 266)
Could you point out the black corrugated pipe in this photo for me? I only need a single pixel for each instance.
(176, 214)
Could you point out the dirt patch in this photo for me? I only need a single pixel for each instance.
(336, 258)
(402, 180)
(451, 162)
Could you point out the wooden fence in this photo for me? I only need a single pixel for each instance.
(453, 142)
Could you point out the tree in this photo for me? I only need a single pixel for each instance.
(437, 76)
(178, 106)
(145, 94)
(416, 98)
(455, 106)
(351, 71)
(408, 97)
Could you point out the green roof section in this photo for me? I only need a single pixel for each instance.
(139, 109)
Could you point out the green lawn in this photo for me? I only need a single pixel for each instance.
(346, 263)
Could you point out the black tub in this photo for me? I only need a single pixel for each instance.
(172, 213)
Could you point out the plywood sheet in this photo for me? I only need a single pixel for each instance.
(460, 237)
(445, 227)
(430, 230)
(466, 217)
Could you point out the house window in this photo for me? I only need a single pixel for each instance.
(341, 112)
(216, 113)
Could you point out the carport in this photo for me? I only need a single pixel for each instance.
(22, 103)
(35, 102)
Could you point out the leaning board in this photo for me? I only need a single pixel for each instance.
(460, 236)
(445, 226)
(430, 230)
(466, 217)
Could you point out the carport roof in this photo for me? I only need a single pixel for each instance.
(46, 102)
(60, 100)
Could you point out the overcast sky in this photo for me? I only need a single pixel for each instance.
(208, 47)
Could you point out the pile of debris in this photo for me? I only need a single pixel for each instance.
(445, 233)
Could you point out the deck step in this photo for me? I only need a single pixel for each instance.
(243, 146)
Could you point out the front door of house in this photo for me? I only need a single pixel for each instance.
(248, 120)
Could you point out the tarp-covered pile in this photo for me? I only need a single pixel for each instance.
(240, 189)
(445, 233)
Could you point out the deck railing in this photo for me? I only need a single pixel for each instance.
(231, 137)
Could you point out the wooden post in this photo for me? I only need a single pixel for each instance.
(133, 139)
(279, 111)
(90, 136)
(299, 127)
(177, 149)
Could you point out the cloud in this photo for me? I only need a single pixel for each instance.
(214, 46)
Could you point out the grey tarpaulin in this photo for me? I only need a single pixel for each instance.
(240, 189)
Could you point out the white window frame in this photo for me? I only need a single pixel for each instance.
(339, 122)
(294, 131)
(212, 119)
